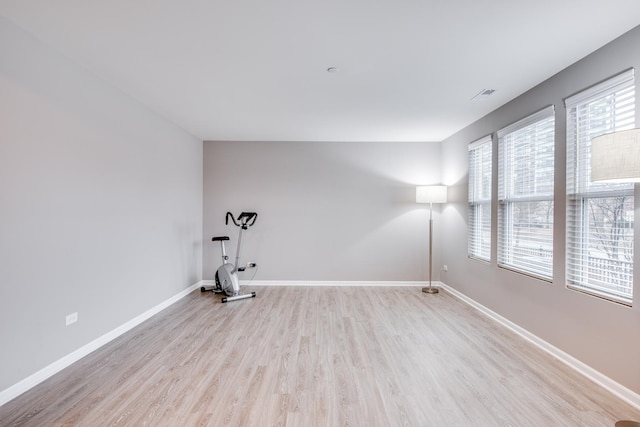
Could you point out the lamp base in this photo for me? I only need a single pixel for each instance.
(430, 290)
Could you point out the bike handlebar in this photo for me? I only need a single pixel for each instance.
(247, 219)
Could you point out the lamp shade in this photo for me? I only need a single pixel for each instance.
(615, 157)
(431, 194)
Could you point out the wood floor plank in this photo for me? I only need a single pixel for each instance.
(318, 356)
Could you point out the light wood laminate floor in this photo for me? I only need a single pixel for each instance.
(318, 356)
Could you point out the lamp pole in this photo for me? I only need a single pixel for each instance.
(431, 194)
(430, 289)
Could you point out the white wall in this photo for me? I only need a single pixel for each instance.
(602, 334)
(327, 211)
(100, 207)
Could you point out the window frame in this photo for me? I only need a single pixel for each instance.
(509, 199)
(580, 191)
(479, 204)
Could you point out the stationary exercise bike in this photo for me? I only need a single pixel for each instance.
(227, 274)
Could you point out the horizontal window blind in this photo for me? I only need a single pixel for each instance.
(479, 229)
(600, 216)
(525, 193)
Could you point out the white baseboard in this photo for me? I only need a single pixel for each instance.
(48, 371)
(333, 283)
(618, 389)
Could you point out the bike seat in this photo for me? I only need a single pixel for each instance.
(220, 238)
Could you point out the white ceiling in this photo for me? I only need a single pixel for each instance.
(256, 69)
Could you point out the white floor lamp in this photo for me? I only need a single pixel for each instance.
(615, 157)
(431, 194)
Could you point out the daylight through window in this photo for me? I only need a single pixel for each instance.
(525, 194)
(599, 216)
(480, 199)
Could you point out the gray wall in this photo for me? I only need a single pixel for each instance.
(327, 211)
(100, 207)
(600, 333)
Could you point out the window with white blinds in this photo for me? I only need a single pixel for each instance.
(479, 237)
(525, 194)
(599, 215)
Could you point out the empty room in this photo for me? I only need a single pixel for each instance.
(319, 213)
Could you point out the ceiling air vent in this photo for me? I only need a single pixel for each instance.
(484, 93)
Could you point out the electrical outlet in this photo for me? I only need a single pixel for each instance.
(72, 318)
(445, 268)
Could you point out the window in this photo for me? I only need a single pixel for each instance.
(599, 215)
(525, 194)
(480, 199)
